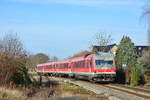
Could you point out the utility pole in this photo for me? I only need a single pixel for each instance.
(148, 31)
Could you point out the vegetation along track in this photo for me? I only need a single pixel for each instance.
(117, 90)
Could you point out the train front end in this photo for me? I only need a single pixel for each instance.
(104, 67)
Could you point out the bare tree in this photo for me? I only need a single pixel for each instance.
(146, 15)
(12, 56)
(102, 40)
(12, 46)
(144, 60)
(53, 59)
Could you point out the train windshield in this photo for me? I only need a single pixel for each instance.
(104, 64)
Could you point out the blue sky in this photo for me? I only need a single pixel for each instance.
(64, 27)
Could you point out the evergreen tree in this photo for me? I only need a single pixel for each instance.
(126, 53)
(135, 76)
(126, 60)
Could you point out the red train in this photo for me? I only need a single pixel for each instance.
(95, 67)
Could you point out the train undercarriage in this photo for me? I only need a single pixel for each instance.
(101, 77)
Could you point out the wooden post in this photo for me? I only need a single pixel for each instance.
(40, 80)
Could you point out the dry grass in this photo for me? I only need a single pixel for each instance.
(10, 93)
(49, 91)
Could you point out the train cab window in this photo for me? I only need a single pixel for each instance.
(109, 62)
(102, 62)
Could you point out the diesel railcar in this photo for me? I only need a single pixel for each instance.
(94, 67)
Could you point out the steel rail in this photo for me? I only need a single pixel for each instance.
(133, 91)
(139, 91)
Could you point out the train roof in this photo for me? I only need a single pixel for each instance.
(45, 64)
(79, 58)
(104, 54)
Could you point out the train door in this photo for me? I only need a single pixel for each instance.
(88, 65)
(69, 67)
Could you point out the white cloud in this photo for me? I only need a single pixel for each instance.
(85, 2)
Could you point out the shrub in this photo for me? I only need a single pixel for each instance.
(135, 76)
(21, 76)
(120, 76)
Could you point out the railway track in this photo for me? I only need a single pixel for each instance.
(137, 91)
(130, 90)
(117, 90)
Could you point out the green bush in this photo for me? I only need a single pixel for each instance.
(135, 76)
(120, 76)
(21, 76)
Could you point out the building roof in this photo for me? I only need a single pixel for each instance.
(103, 48)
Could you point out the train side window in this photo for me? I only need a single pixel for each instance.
(59, 65)
(66, 65)
(82, 63)
(74, 64)
(63, 65)
(77, 64)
